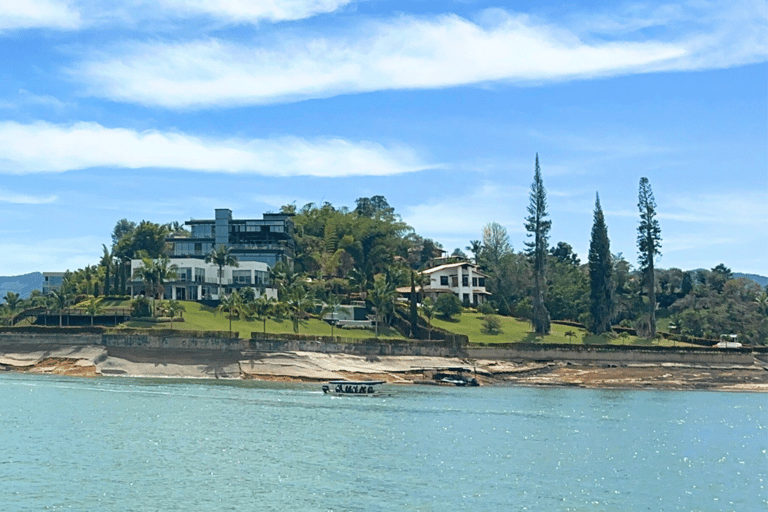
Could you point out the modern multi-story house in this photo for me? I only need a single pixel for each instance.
(198, 280)
(52, 281)
(268, 240)
(461, 278)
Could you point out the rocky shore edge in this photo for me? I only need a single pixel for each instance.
(96, 361)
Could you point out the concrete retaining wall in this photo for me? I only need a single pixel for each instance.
(509, 352)
(171, 342)
(50, 339)
(366, 348)
(611, 354)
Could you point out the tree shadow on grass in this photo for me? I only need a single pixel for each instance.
(532, 337)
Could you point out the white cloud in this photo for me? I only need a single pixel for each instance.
(44, 147)
(743, 210)
(21, 14)
(250, 11)
(452, 219)
(14, 198)
(403, 53)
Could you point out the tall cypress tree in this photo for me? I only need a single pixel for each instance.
(648, 245)
(600, 274)
(538, 229)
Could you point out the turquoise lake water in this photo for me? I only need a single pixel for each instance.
(115, 444)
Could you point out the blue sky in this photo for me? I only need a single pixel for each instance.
(166, 109)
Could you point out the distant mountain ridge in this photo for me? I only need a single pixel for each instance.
(23, 285)
(761, 280)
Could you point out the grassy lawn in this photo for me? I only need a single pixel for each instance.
(515, 331)
(203, 318)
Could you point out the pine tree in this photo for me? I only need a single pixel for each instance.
(538, 228)
(600, 274)
(648, 245)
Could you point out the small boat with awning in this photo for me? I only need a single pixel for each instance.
(353, 388)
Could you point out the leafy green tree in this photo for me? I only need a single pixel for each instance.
(538, 227)
(648, 245)
(563, 252)
(567, 296)
(221, 257)
(448, 305)
(718, 277)
(600, 273)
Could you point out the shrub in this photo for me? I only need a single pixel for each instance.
(524, 308)
(486, 309)
(141, 308)
(491, 325)
(448, 305)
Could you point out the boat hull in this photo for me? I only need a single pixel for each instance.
(353, 388)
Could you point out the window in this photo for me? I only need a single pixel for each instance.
(455, 281)
(481, 282)
(474, 281)
(443, 280)
(184, 274)
(464, 280)
(241, 276)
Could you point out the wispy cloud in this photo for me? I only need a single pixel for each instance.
(248, 11)
(22, 14)
(15, 198)
(463, 216)
(45, 147)
(406, 53)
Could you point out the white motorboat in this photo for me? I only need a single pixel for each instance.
(353, 388)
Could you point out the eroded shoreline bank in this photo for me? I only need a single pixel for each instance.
(301, 366)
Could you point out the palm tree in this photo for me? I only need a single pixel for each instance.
(331, 307)
(221, 257)
(60, 300)
(299, 302)
(94, 307)
(12, 300)
(263, 308)
(172, 308)
(154, 273)
(382, 297)
(233, 303)
(429, 309)
(475, 247)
